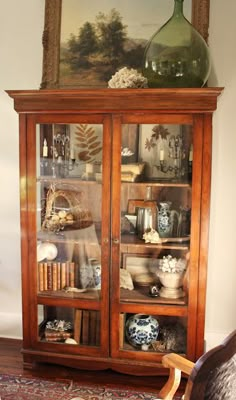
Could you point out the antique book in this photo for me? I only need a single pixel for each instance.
(92, 327)
(54, 276)
(40, 277)
(72, 274)
(85, 327)
(63, 275)
(49, 276)
(45, 276)
(77, 325)
(58, 276)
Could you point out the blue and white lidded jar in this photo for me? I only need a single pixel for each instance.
(96, 268)
(141, 330)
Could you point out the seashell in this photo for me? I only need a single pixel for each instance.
(74, 289)
(62, 214)
(152, 237)
(70, 341)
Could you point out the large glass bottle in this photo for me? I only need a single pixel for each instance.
(176, 55)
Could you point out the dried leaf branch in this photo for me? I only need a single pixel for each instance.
(88, 142)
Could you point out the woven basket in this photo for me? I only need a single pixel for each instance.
(65, 211)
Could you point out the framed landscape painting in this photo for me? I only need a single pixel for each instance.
(86, 41)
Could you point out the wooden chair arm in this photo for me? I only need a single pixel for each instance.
(176, 364)
(176, 361)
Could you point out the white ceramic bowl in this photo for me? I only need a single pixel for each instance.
(46, 251)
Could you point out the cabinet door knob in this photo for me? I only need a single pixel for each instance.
(105, 240)
(116, 241)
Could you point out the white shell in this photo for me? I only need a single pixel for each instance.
(70, 341)
(46, 251)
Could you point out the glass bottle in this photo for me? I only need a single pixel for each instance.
(176, 55)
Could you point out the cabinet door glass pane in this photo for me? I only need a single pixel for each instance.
(156, 201)
(71, 326)
(69, 209)
(153, 333)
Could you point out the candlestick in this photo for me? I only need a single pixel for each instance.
(89, 168)
(190, 157)
(161, 155)
(45, 148)
(72, 153)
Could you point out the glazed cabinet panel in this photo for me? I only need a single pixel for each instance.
(69, 220)
(156, 207)
(115, 189)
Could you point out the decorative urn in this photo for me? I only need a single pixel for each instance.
(171, 273)
(141, 330)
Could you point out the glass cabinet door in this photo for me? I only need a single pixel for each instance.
(70, 260)
(155, 237)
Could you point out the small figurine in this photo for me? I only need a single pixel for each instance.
(154, 291)
(152, 236)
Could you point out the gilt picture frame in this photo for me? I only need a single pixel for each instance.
(52, 50)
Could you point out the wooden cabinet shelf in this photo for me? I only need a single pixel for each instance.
(59, 294)
(99, 169)
(70, 181)
(142, 295)
(132, 244)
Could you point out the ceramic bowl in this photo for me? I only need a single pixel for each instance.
(46, 251)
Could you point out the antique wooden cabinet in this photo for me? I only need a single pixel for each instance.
(115, 189)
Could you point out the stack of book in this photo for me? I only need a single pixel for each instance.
(87, 327)
(56, 336)
(56, 275)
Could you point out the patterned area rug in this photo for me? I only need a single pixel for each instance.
(20, 388)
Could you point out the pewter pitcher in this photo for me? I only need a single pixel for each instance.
(144, 220)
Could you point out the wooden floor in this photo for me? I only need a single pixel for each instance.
(11, 363)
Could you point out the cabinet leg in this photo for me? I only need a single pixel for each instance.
(28, 362)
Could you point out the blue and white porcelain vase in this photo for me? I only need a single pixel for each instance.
(164, 220)
(141, 329)
(96, 267)
(167, 219)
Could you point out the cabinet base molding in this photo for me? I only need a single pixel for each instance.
(130, 367)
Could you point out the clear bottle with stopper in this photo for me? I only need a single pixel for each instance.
(150, 201)
(146, 214)
(44, 158)
(148, 193)
(190, 163)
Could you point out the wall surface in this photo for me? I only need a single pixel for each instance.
(221, 296)
(21, 27)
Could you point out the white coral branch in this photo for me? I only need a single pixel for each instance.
(172, 264)
(127, 78)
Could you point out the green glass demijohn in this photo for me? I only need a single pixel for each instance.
(176, 55)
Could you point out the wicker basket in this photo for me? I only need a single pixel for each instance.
(65, 211)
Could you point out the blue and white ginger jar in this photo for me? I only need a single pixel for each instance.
(141, 329)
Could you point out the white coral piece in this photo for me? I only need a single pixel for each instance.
(127, 78)
(172, 264)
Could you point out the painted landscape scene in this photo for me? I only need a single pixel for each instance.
(99, 38)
